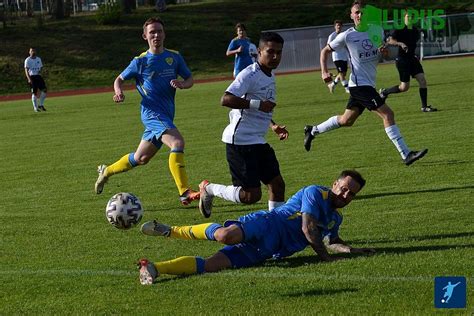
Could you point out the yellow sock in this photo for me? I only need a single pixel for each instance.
(178, 171)
(191, 232)
(119, 166)
(181, 265)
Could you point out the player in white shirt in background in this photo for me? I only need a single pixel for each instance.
(360, 42)
(339, 57)
(33, 66)
(252, 97)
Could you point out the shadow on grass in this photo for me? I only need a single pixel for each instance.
(418, 238)
(320, 292)
(376, 195)
(399, 250)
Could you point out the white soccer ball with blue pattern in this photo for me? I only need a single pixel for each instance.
(124, 210)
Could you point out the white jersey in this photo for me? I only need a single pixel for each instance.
(363, 55)
(249, 126)
(340, 54)
(33, 65)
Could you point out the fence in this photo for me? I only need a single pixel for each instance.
(303, 45)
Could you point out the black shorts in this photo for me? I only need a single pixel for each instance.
(37, 82)
(250, 164)
(341, 65)
(408, 67)
(364, 97)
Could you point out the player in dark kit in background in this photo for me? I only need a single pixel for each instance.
(408, 63)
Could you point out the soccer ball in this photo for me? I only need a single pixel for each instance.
(124, 210)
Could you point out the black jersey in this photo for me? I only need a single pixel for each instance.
(409, 37)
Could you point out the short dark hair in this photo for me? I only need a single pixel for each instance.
(356, 3)
(270, 37)
(240, 26)
(337, 22)
(153, 20)
(354, 175)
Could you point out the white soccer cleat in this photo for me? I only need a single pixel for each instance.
(205, 199)
(347, 90)
(155, 228)
(148, 272)
(101, 180)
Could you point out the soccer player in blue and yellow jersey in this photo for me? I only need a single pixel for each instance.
(155, 72)
(310, 217)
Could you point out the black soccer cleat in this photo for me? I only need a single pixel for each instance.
(414, 156)
(428, 108)
(308, 137)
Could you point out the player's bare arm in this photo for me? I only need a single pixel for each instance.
(27, 76)
(280, 130)
(233, 52)
(394, 42)
(118, 96)
(231, 101)
(337, 245)
(325, 52)
(182, 84)
(313, 235)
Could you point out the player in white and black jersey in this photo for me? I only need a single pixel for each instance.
(33, 66)
(252, 98)
(339, 57)
(364, 57)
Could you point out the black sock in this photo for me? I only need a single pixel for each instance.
(424, 97)
(393, 89)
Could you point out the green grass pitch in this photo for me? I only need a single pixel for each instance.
(60, 256)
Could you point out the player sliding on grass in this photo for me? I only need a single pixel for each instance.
(251, 97)
(155, 73)
(364, 56)
(306, 219)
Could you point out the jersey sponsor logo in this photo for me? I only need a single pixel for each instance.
(169, 60)
(368, 54)
(367, 44)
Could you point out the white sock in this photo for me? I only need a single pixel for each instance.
(345, 83)
(229, 192)
(336, 80)
(330, 124)
(274, 204)
(397, 139)
(42, 97)
(33, 99)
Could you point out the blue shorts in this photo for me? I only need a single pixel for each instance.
(155, 126)
(261, 240)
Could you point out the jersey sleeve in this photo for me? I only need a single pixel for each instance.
(311, 202)
(240, 86)
(232, 45)
(338, 42)
(183, 70)
(331, 37)
(132, 70)
(26, 63)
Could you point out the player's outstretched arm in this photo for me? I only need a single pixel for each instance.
(118, 96)
(313, 235)
(337, 245)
